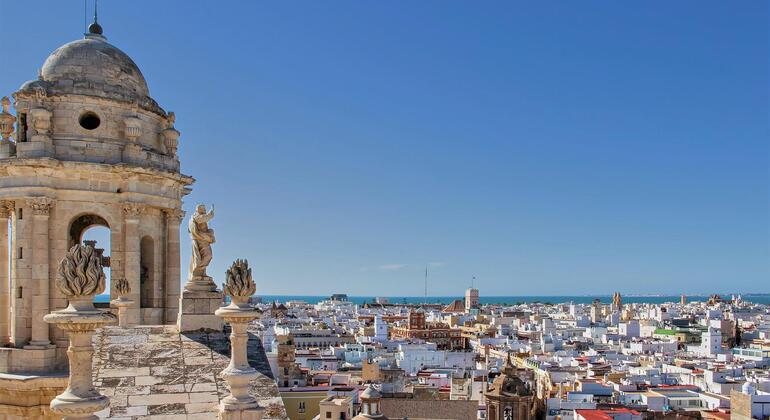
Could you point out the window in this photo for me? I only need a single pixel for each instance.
(301, 407)
(89, 121)
(22, 129)
(328, 414)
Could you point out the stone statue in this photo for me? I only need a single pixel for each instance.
(202, 237)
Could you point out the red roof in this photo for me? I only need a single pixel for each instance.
(604, 414)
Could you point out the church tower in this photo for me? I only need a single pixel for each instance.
(509, 397)
(90, 148)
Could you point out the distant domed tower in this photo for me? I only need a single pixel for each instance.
(370, 405)
(509, 397)
(91, 148)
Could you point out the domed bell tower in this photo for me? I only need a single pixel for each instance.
(87, 147)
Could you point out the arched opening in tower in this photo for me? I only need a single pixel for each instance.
(149, 294)
(93, 230)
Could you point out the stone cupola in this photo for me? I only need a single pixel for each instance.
(370, 404)
(91, 103)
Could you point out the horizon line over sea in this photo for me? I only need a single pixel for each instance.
(761, 298)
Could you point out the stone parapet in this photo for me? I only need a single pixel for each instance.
(27, 360)
(28, 396)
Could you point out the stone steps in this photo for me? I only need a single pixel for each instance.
(153, 372)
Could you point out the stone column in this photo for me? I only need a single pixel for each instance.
(132, 259)
(239, 405)
(80, 320)
(173, 271)
(41, 209)
(21, 274)
(6, 207)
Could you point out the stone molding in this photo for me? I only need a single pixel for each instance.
(6, 208)
(174, 215)
(133, 210)
(40, 205)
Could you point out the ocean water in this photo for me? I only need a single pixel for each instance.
(504, 300)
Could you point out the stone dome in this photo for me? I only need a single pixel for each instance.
(371, 393)
(91, 63)
(92, 67)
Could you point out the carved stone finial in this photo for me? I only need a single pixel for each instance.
(81, 273)
(171, 119)
(6, 103)
(238, 374)
(40, 205)
(238, 281)
(122, 287)
(80, 278)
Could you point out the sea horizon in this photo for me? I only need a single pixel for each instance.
(760, 298)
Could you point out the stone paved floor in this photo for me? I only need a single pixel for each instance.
(153, 372)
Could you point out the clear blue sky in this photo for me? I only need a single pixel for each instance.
(544, 147)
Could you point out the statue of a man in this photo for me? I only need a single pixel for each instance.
(202, 237)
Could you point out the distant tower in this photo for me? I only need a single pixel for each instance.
(417, 319)
(683, 300)
(596, 311)
(289, 373)
(380, 329)
(617, 302)
(471, 299)
(711, 341)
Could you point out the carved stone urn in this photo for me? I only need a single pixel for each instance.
(80, 278)
(239, 286)
(6, 120)
(122, 289)
(170, 135)
(132, 128)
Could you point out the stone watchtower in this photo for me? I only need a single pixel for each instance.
(91, 148)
